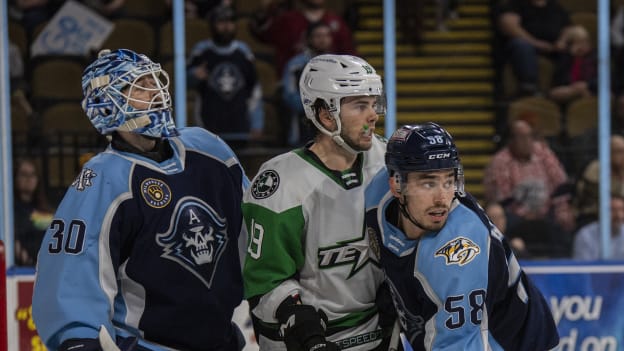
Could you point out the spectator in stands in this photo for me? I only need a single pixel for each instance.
(411, 19)
(587, 243)
(532, 28)
(530, 226)
(31, 13)
(31, 209)
(223, 71)
(576, 72)
(587, 186)
(286, 30)
(497, 214)
(319, 39)
(617, 44)
(445, 10)
(524, 159)
(19, 86)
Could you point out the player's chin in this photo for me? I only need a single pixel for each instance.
(365, 143)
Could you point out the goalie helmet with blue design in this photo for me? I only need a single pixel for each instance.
(425, 147)
(108, 85)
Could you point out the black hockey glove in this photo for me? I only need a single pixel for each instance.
(302, 327)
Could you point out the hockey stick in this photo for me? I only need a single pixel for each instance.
(108, 344)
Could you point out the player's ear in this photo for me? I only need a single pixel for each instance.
(395, 185)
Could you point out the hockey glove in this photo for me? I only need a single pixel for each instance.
(302, 327)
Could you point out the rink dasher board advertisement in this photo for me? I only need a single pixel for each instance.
(586, 299)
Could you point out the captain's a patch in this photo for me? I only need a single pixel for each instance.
(458, 251)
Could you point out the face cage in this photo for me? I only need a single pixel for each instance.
(159, 102)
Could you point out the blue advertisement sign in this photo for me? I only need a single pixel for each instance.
(586, 300)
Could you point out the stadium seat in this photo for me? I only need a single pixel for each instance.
(134, 34)
(544, 113)
(546, 71)
(582, 115)
(267, 77)
(589, 21)
(196, 30)
(19, 37)
(56, 79)
(578, 5)
(145, 9)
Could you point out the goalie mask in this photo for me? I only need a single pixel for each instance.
(108, 84)
(423, 148)
(326, 79)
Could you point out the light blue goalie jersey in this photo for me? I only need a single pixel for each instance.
(146, 249)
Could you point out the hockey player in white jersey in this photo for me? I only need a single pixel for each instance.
(307, 273)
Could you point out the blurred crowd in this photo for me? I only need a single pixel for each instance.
(540, 188)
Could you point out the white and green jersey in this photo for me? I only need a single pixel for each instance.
(306, 237)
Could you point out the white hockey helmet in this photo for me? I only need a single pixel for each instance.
(330, 78)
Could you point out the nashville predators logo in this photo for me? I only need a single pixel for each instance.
(458, 251)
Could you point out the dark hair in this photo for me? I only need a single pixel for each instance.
(222, 13)
(312, 27)
(40, 198)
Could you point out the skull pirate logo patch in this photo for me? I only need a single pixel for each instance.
(196, 238)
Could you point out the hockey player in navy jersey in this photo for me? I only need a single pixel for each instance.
(142, 253)
(454, 281)
(310, 284)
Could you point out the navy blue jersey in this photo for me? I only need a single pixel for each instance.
(231, 95)
(460, 288)
(146, 249)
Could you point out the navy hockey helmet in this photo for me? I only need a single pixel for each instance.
(421, 148)
(107, 84)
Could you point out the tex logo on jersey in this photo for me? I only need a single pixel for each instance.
(458, 251)
(196, 238)
(354, 252)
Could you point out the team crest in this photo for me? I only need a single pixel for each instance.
(458, 251)
(83, 180)
(155, 192)
(265, 184)
(196, 238)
